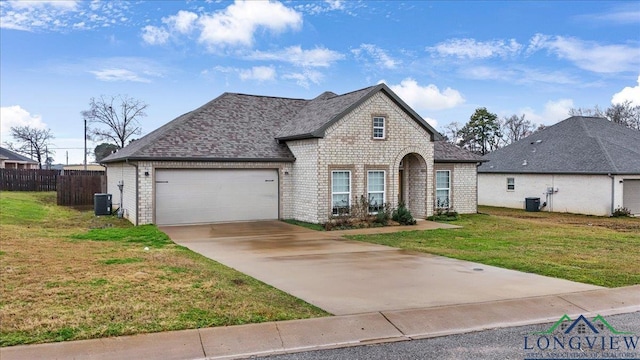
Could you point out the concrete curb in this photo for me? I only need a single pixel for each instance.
(243, 341)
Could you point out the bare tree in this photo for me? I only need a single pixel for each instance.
(115, 118)
(32, 142)
(452, 132)
(595, 112)
(515, 128)
(625, 114)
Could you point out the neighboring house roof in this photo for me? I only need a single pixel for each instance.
(577, 145)
(10, 156)
(90, 167)
(238, 127)
(446, 152)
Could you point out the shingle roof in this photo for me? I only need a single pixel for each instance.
(230, 127)
(238, 127)
(577, 145)
(445, 152)
(7, 154)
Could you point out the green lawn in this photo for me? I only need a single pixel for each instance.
(68, 275)
(594, 250)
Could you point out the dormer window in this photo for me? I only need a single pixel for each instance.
(378, 127)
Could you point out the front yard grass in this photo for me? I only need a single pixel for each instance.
(595, 250)
(68, 275)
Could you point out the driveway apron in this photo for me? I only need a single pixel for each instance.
(351, 277)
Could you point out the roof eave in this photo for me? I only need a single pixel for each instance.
(312, 135)
(480, 171)
(450, 161)
(198, 159)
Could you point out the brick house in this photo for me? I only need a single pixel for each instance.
(12, 160)
(245, 157)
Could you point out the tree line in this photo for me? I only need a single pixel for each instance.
(485, 132)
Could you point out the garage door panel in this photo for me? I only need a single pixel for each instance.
(204, 196)
(631, 195)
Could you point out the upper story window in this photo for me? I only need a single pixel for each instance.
(379, 127)
(511, 184)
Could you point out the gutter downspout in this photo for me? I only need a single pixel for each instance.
(135, 165)
(613, 189)
(477, 166)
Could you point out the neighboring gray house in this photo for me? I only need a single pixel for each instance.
(13, 160)
(245, 157)
(583, 165)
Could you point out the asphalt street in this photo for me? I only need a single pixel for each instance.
(505, 343)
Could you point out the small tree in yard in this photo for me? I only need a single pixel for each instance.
(32, 141)
(103, 150)
(115, 118)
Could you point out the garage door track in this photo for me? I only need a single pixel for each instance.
(350, 277)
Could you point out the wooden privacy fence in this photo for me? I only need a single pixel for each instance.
(28, 180)
(74, 187)
(75, 190)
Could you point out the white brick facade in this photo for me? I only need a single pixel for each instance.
(349, 145)
(464, 186)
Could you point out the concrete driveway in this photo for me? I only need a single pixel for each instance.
(350, 277)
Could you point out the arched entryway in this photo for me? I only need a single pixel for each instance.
(412, 183)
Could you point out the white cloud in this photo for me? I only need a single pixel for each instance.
(318, 57)
(183, 22)
(472, 49)
(17, 116)
(316, 7)
(305, 77)
(259, 73)
(68, 5)
(629, 14)
(237, 24)
(114, 74)
(589, 55)
(61, 15)
(379, 56)
(628, 94)
(517, 74)
(154, 35)
(554, 111)
(427, 97)
(431, 121)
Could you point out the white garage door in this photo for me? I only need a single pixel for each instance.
(206, 196)
(631, 196)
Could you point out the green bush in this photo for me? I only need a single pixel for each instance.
(402, 215)
(444, 214)
(621, 212)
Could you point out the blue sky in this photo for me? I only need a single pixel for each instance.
(445, 59)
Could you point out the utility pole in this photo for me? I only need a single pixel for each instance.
(85, 144)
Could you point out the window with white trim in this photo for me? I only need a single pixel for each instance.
(511, 184)
(378, 127)
(375, 190)
(443, 189)
(340, 192)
